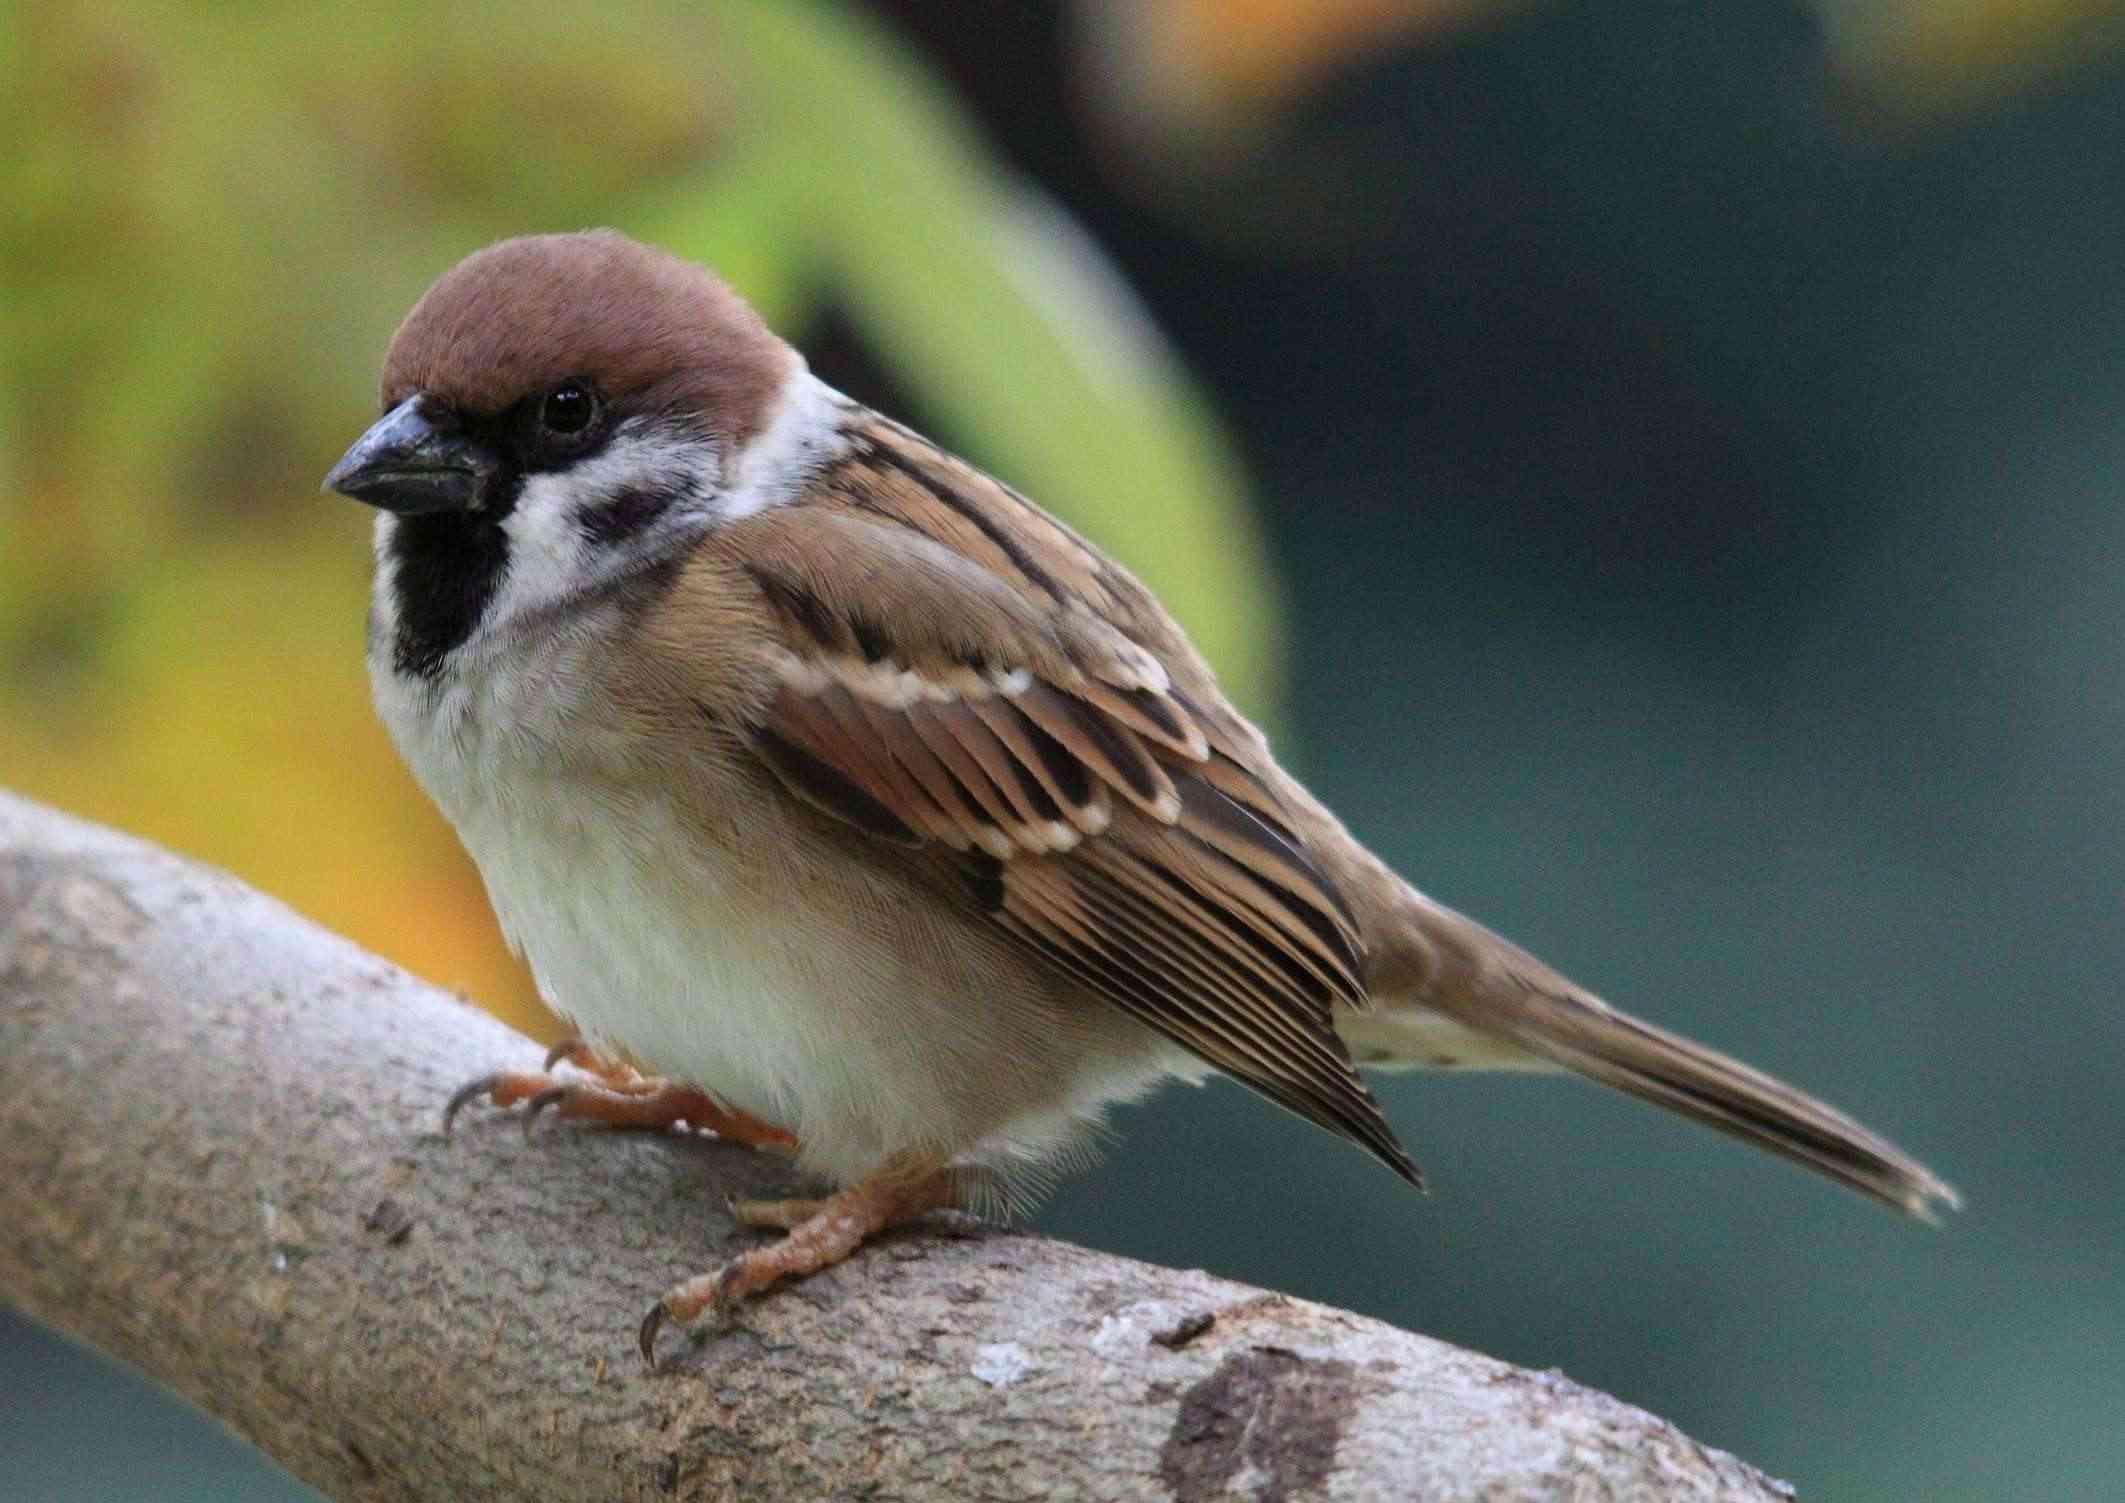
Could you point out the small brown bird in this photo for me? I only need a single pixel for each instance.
(875, 813)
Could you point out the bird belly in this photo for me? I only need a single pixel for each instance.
(839, 1019)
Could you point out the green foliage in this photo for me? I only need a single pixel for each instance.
(218, 215)
(221, 210)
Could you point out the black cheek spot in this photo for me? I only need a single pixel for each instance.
(621, 516)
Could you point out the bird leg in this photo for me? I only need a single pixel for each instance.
(821, 1234)
(619, 1096)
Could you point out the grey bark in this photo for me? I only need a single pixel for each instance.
(221, 1164)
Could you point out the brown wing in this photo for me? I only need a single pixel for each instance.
(940, 680)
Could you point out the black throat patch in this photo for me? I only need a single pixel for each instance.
(447, 569)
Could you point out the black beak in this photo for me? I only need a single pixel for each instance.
(406, 464)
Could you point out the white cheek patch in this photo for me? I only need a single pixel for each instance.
(552, 558)
(383, 588)
(803, 435)
(636, 458)
(548, 557)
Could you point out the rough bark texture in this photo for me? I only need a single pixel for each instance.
(220, 1151)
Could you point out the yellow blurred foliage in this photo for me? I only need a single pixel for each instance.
(228, 716)
(1204, 74)
(1912, 62)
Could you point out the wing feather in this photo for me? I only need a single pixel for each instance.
(1039, 758)
(957, 808)
(1104, 747)
(939, 731)
(854, 724)
(1107, 824)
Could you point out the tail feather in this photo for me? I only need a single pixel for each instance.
(1441, 966)
(1594, 1040)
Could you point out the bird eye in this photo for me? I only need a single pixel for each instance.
(567, 410)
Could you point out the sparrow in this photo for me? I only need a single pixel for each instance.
(849, 805)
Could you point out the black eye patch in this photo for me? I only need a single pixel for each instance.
(554, 428)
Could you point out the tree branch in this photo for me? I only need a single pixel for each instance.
(218, 1130)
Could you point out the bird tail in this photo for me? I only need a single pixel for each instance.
(1489, 991)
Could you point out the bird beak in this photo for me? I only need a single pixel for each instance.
(405, 464)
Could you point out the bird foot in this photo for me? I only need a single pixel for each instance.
(821, 1234)
(616, 1096)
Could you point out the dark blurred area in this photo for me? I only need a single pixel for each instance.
(1689, 464)
(1701, 522)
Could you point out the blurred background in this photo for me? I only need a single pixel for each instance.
(1654, 470)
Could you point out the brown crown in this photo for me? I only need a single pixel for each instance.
(655, 333)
